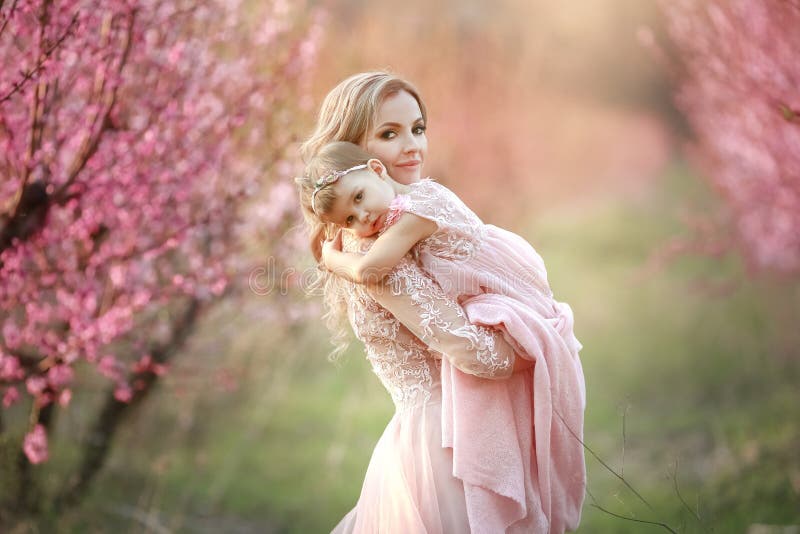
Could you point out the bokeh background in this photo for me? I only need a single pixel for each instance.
(554, 120)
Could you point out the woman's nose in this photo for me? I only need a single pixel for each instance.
(411, 144)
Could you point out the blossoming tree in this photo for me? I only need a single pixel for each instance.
(133, 133)
(738, 82)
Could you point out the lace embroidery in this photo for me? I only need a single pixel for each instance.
(460, 231)
(405, 366)
(432, 303)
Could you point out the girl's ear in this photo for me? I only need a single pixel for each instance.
(377, 167)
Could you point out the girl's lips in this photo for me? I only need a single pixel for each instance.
(376, 223)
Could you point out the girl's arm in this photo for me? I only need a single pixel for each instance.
(384, 255)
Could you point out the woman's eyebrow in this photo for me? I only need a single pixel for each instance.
(397, 124)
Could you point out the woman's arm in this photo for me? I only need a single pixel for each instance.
(420, 305)
(384, 255)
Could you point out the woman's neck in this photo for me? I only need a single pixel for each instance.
(399, 189)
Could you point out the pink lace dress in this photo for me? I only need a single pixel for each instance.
(409, 486)
(520, 458)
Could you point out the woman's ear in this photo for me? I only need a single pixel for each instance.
(377, 167)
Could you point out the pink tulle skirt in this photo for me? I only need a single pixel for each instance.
(409, 486)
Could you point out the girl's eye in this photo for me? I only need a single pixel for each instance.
(419, 130)
(349, 221)
(359, 196)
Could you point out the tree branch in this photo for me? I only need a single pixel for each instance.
(7, 17)
(100, 120)
(680, 496)
(29, 74)
(626, 518)
(610, 470)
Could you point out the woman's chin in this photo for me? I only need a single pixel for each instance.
(406, 176)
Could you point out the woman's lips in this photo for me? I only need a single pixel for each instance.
(408, 164)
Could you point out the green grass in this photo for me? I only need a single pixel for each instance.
(708, 381)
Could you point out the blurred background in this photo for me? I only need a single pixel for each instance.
(558, 122)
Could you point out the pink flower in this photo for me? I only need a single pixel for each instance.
(143, 364)
(64, 397)
(10, 368)
(60, 375)
(36, 384)
(123, 393)
(35, 445)
(11, 396)
(109, 367)
(11, 335)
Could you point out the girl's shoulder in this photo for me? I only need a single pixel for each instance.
(428, 189)
(431, 200)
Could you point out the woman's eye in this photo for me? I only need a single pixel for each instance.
(418, 130)
(388, 134)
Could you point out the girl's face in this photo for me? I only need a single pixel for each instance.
(398, 137)
(362, 200)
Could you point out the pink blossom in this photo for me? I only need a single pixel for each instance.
(10, 397)
(11, 334)
(35, 445)
(123, 393)
(36, 384)
(10, 368)
(109, 366)
(178, 142)
(64, 397)
(743, 106)
(60, 375)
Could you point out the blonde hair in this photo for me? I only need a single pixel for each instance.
(347, 114)
(348, 111)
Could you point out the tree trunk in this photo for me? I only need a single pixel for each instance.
(29, 498)
(114, 412)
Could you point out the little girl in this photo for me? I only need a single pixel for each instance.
(501, 282)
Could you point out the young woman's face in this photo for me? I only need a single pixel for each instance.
(362, 201)
(398, 137)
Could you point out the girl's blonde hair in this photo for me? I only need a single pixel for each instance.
(348, 111)
(347, 114)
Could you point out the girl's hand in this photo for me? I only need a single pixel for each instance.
(331, 246)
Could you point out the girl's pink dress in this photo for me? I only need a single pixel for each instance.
(466, 454)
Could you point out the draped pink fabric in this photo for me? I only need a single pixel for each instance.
(492, 426)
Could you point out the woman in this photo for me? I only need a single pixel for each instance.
(413, 483)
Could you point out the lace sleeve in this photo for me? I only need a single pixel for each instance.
(421, 306)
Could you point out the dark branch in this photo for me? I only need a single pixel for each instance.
(30, 73)
(610, 470)
(625, 517)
